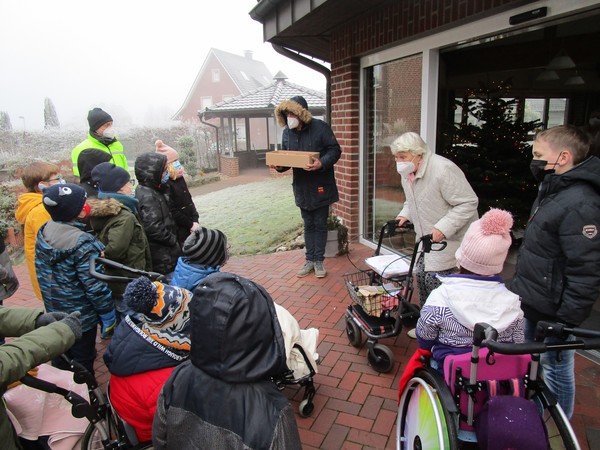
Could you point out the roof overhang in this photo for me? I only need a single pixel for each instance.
(306, 26)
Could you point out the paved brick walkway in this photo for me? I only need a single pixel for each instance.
(355, 407)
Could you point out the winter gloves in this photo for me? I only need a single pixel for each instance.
(47, 318)
(71, 320)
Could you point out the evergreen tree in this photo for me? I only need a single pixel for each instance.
(50, 116)
(5, 124)
(187, 156)
(490, 144)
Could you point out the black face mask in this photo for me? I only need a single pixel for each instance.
(537, 169)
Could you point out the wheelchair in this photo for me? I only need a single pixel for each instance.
(438, 411)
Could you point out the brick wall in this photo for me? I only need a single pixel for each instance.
(382, 28)
(344, 121)
(230, 166)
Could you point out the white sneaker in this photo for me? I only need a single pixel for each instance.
(412, 333)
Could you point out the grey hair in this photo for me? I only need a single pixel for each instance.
(409, 142)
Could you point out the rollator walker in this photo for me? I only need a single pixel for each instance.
(382, 297)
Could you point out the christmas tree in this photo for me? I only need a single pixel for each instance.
(490, 144)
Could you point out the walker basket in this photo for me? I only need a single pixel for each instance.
(372, 292)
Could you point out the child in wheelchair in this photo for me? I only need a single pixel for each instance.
(151, 340)
(476, 294)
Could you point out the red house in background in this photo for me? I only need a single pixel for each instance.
(222, 76)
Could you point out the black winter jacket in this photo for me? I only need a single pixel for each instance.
(155, 213)
(558, 269)
(183, 209)
(223, 397)
(130, 352)
(316, 189)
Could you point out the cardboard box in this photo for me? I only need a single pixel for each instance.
(290, 158)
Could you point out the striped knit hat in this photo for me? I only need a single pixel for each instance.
(161, 311)
(206, 247)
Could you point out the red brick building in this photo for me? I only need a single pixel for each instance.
(222, 76)
(400, 66)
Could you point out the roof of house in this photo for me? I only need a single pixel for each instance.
(246, 73)
(262, 101)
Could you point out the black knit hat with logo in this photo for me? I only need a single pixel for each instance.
(64, 202)
(206, 247)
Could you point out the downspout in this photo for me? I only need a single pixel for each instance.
(201, 117)
(311, 65)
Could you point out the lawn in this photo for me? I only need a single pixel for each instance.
(256, 217)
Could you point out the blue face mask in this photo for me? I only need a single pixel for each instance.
(177, 165)
(165, 177)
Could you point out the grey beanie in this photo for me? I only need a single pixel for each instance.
(206, 247)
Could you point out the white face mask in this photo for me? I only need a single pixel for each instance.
(292, 122)
(405, 167)
(109, 133)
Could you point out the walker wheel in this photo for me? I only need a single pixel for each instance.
(353, 332)
(306, 408)
(381, 358)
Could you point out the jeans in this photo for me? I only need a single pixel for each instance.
(558, 371)
(83, 351)
(315, 232)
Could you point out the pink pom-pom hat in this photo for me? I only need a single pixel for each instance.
(486, 243)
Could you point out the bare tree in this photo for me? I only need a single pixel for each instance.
(5, 124)
(50, 116)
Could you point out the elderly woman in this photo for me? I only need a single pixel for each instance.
(439, 201)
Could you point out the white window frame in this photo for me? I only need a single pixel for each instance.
(215, 75)
(205, 102)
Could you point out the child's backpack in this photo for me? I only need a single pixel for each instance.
(509, 422)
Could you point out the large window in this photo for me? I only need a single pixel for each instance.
(393, 107)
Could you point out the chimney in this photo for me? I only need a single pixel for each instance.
(248, 54)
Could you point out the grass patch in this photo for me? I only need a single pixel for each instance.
(256, 217)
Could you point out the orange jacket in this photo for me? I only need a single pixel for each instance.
(32, 214)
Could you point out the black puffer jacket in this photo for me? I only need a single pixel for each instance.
(312, 189)
(558, 269)
(183, 208)
(155, 213)
(223, 396)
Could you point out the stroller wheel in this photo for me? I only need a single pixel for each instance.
(381, 358)
(306, 408)
(353, 333)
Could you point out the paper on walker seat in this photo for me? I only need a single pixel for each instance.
(388, 265)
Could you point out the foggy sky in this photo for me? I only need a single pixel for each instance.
(135, 58)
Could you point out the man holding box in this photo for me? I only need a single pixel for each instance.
(314, 185)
